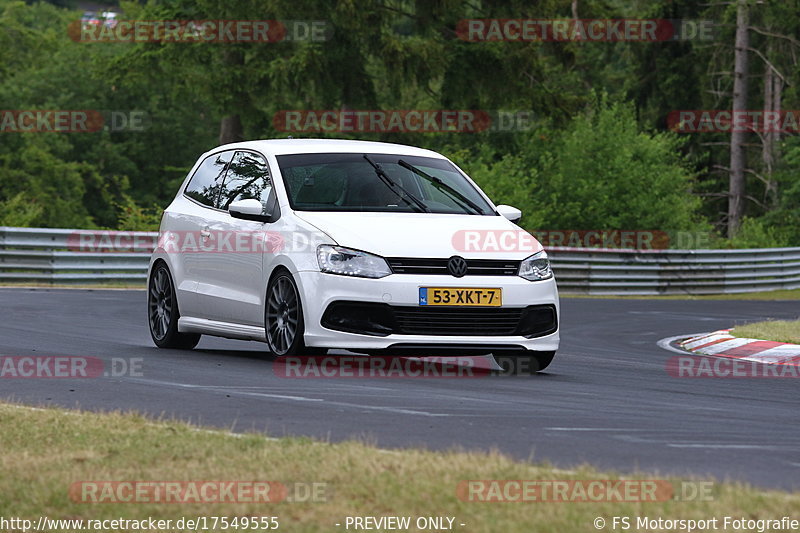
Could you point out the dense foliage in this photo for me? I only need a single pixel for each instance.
(599, 154)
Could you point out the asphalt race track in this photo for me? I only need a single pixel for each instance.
(607, 399)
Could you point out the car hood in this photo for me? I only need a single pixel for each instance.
(426, 234)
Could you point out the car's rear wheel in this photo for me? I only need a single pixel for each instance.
(523, 362)
(163, 314)
(283, 318)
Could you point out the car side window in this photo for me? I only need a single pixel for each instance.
(207, 181)
(247, 177)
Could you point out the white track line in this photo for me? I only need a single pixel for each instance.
(666, 343)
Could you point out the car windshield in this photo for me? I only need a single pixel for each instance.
(351, 182)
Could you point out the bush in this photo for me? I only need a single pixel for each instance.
(509, 180)
(757, 233)
(35, 176)
(133, 217)
(600, 173)
(606, 174)
(19, 211)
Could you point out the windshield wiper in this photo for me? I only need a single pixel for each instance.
(443, 187)
(394, 186)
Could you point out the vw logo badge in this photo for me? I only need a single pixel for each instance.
(457, 266)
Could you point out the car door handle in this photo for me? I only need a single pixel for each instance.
(205, 234)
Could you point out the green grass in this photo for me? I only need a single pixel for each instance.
(784, 294)
(45, 451)
(103, 285)
(771, 330)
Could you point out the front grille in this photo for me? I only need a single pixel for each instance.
(475, 267)
(432, 321)
(368, 318)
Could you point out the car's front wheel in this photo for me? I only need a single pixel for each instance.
(283, 318)
(163, 314)
(524, 362)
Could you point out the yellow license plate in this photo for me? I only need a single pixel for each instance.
(460, 297)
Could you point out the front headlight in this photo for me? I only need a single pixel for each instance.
(536, 267)
(348, 262)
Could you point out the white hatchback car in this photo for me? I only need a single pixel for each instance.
(372, 247)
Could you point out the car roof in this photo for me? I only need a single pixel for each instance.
(321, 146)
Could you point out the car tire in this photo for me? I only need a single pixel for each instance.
(523, 362)
(163, 313)
(284, 326)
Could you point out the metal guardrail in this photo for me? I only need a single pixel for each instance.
(60, 256)
(654, 272)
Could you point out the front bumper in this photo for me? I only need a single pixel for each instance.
(319, 290)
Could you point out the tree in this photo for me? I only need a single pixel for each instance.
(738, 162)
